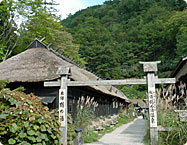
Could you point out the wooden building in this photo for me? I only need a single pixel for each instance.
(38, 64)
(180, 72)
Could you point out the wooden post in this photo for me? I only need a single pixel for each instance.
(150, 68)
(63, 104)
(152, 108)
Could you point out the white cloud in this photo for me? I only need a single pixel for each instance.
(69, 6)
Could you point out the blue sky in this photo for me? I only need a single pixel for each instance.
(71, 6)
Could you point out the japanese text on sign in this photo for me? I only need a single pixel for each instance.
(62, 107)
(152, 108)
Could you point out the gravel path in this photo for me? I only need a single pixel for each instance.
(127, 134)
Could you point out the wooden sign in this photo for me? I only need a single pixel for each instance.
(62, 106)
(152, 107)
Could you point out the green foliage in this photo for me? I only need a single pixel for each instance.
(115, 36)
(130, 111)
(176, 33)
(3, 84)
(91, 136)
(44, 24)
(134, 91)
(24, 120)
(84, 117)
(38, 26)
(167, 101)
(85, 113)
(39, 19)
(177, 131)
(8, 28)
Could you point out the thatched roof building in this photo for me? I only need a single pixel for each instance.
(38, 64)
(41, 64)
(180, 73)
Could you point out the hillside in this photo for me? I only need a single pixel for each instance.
(115, 36)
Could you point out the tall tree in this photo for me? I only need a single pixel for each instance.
(8, 28)
(115, 36)
(39, 20)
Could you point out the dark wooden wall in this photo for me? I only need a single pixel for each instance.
(108, 105)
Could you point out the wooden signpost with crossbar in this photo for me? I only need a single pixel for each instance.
(150, 68)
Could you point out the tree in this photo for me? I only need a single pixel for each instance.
(39, 20)
(176, 34)
(8, 28)
(93, 38)
(121, 33)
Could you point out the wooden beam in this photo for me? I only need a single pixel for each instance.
(150, 66)
(52, 83)
(107, 82)
(165, 81)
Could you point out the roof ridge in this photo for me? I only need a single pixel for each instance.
(38, 44)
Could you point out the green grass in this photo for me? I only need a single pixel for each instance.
(176, 134)
(147, 140)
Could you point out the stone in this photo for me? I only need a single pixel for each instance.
(99, 128)
(96, 132)
(108, 125)
(111, 125)
(161, 128)
(182, 115)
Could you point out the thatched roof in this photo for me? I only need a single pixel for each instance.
(142, 105)
(41, 64)
(181, 69)
(134, 102)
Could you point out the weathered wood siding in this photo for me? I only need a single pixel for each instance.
(108, 105)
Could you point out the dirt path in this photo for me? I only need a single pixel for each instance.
(127, 134)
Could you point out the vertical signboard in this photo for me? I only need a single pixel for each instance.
(62, 107)
(152, 107)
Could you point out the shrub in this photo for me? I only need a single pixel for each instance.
(85, 112)
(169, 99)
(3, 83)
(130, 111)
(177, 132)
(24, 120)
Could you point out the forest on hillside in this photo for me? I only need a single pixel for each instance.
(109, 39)
(115, 36)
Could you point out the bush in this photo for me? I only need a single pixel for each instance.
(177, 132)
(24, 120)
(169, 99)
(85, 112)
(3, 83)
(130, 111)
